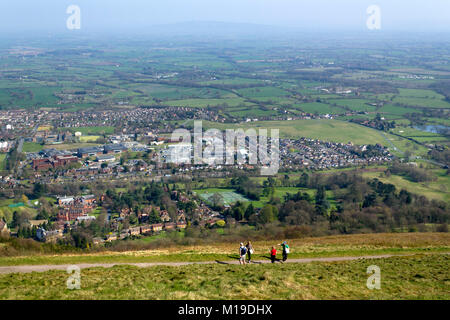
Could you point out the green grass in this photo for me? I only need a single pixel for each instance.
(438, 189)
(331, 246)
(328, 130)
(354, 104)
(320, 108)
(32, 147)
(280, 192)
(2, 161)
(93, 130)
(416, 277)
(396, 110)
(89, 138)
(262, 92)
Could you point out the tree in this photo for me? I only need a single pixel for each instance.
(154, 217)
(238, 213)
(249, 211)
(24, 199)
(322, 204)
(268, 214)
(217, 200)
(304, 180)
(39, 190)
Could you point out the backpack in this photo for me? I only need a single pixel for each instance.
(286, 248)
(243, 251)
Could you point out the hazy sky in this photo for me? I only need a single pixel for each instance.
(140, 15)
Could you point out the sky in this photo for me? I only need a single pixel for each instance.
(142, 15)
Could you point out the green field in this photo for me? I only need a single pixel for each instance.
(32, 147)
(417, 277)
(354, 104)
(92, 130)
(89, 138)
(319, 108)
(328, 130)
(439, 189)
(2, 161)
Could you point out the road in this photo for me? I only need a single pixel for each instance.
(43, 268)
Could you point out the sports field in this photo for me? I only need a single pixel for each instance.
(228, 195)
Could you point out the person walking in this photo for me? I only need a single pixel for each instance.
(285, 250)
(249, 251)
(242, 253)
(273, 254)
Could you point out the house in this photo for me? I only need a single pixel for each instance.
(164, 215)
(97, 241)
(124, 234)
(4, 228)
(64, 201)
(71, 213)
(89, 152)
(55, 161)
(157, 227)
(134, 231)
(88, 199)
(48, 236)
(181, 225)
(146, 228)
(106, 158)
(85, 218)
(111, 237)
(114, 148)
(170, 225)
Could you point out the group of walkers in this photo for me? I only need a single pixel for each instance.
(247, 251)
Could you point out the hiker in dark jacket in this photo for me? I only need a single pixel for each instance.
(242, 253)
(285, 250)
(249, 251)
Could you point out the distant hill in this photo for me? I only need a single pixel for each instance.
(215, 28)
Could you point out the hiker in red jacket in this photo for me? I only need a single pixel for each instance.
(273, 254)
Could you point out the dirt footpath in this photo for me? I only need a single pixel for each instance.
(46, 267)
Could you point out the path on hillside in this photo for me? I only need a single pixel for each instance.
(47, 267)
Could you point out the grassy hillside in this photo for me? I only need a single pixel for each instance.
(330, 246)
(431, 189)
(417, 277)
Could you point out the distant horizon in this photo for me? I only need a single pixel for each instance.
(222, 29)
(137, 16)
